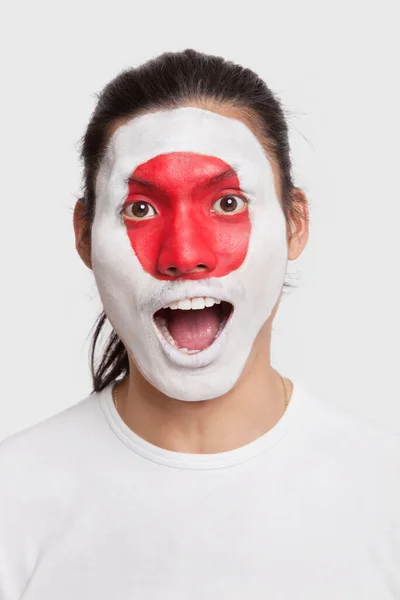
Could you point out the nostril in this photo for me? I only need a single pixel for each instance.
(175, 271)
(172, 271)
(199, 268)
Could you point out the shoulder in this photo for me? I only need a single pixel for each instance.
(50, 444)
(42, 469)
(357, 429)
(359, 446)
(335, 418)
(39, 471)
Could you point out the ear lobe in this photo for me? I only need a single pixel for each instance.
(82, 232)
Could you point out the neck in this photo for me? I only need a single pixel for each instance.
(246, 412)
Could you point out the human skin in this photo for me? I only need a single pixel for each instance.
(252, 407)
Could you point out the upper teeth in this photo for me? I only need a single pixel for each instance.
(192, 303)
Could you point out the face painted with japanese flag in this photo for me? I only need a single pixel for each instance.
(189, 247)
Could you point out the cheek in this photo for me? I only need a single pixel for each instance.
(229, 237)
(146, 240)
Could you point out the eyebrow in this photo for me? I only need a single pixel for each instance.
(216, 179)
(148, 184)
(221, 177)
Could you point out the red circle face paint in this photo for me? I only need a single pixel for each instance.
(188, 234)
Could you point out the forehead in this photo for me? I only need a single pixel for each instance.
(186, 129)
(183, 168)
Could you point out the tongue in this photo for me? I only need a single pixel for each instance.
(194, 329)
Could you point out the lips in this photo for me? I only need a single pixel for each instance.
(194, 327)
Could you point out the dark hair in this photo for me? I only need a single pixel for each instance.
(168, 81)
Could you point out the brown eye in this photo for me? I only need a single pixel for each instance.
(230, 204)
(138, 211)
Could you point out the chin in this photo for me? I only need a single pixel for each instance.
(195, 383)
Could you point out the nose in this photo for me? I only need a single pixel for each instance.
(185, 249)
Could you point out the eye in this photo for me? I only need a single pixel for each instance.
(230, 204)
(138, 211)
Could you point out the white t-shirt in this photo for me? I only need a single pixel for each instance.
(308, 511)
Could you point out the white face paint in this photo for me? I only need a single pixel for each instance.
(131, 295)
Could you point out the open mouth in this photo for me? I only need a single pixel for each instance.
(193, 324)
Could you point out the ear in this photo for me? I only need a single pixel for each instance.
(299, 223)
(81, 228)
